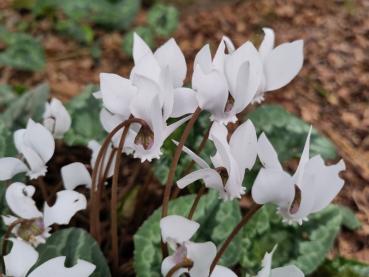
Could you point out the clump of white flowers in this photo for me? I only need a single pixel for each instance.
(140, 112)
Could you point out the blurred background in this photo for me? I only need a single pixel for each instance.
(58, 48)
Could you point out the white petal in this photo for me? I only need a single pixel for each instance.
(169, 54)
(178, 229)
(283, 64)
(319, 186)
(56, 118)
(203, 59)
(67, 204)
(9, 219)
(18, 138)
(168, 130)
(242, 94)
(168, 263)
(222, 271)
(21, 258)
(197, 159)
(117, 93)
(10, 167)
(40, 140)
(267, 44)
(202, 255)
(140, 48)
(209, 175)
(109, 121)
(267, 154)
(166, 93)
(303, 160)
(212, 90)
(55, 267)
(147, 66)
(95, 148)
(74, 175)
(218, 61)
(247, 52)
(289, 270)
(273, 186)
(243, 145)
(35, 162)
(267, 264)
(19, 199)
(230, 46)
(185, 102)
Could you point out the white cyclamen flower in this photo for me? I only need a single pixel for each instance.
(285, 271)
(56, 118)
(177, 232)
(313, 186)
(227, 84)
(36, 146)
(19, 199)
(280, 64)
(22, 258)
(230, 161)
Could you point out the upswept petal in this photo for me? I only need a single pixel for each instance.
(177, 229)
(267, 44)
(243, 145)
(168, 130)
(197, 159)
(74, 175)
(299, 173)
(19, 199)
(40, 140)
(21, 258)
(282, 64)
(242, 95)
(267, 154)
(210, 176)
(170, 55)
(9, 167)
(140, 48)
(273, 186)
(229, 44)
(219, 57)
(289, 270)
(117, 93)
(184, 102)
(202, 255)
(267, 264)
(233, 62)
(212, 90)
(222, 271)
(56, 267)
(203, 59)
(148, 67)
(67, 204)
(56, 118)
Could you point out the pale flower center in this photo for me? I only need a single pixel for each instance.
(30, 229)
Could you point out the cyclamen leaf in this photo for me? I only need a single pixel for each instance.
(288, 133)
(341, 267)
(305, 246)
(147, 254)
(163, 19)
(74, 243)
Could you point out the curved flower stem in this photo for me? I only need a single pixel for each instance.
(6, 237)
(200, 193)
(177, 154)
(253, 209)
(187, 263)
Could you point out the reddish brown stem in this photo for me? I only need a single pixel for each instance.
(185, 264)
(200, 193)
(177, 154)
(253, 209)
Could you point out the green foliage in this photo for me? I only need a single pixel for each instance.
(145, 33)
(305, 246)
(7, 95)
(31, 104)
(288, 133)
(74, 243)
(210, 213)
(341, 267)
(163, 19)
(81, 33)
(22, 51)
(84, 110)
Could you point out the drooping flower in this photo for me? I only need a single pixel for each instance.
(56, 118)
(19, 199)
(177, 232)
(230, 161)
(23, 256)
(36, 146)
(309, 190)
(227, 84)
(285, 271)
(280, 64)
